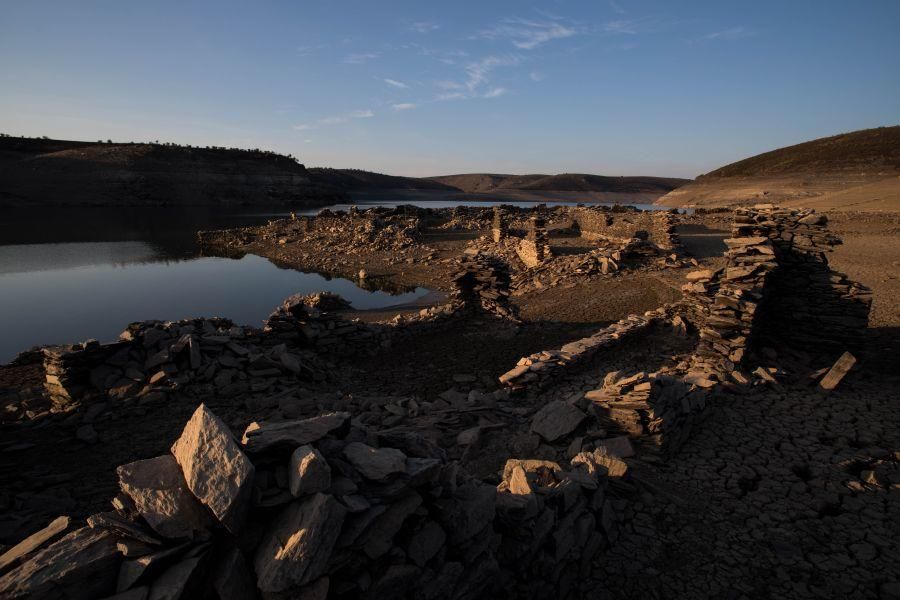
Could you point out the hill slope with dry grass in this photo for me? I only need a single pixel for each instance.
(859, 170)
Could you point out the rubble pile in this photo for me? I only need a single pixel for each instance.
(539, 368)
(483, 281)
(655, 410)
(322, 508)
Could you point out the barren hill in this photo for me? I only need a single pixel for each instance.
(565, 182)
(357, 179)
(58, 172)
(851, 171)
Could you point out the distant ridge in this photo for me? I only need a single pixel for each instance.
(859, 170)
(357, 179)
(565, 182)
(42, 171)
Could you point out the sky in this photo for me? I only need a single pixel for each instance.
(613, 87)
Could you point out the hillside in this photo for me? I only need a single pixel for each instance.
(859, 170)
(566, 182)
(356, 179)
(58, 172)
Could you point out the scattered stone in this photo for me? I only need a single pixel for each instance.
(837, 372)
(260, 437)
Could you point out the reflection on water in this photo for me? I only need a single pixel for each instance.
(72, 273)
(72, 303)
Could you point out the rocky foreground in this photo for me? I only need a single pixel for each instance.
(736, 441)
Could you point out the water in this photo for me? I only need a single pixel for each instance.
(69, 274)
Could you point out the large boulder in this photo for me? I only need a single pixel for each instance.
(376, 464)
(297, 547)
(215, 469)
(161, 495)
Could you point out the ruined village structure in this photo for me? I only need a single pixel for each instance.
(535, 484)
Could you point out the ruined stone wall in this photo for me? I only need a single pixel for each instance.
(602, 222)
(319, 508)
(810, 304)
(540, 368)
(69, 371)
(534, 249)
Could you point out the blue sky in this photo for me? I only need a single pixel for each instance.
(621, 87)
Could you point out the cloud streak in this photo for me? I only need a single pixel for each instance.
(359, 58)
(403, 106)
(423, 26)
(396, 84)
(734, 33)
(335, 120)
(527, 34)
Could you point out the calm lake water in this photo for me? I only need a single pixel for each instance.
(69, 274)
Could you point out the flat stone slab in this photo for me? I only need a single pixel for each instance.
(376, 464)
(215, 469)
(57, 527)
(260, 437)
(556, 419)
(82, 565)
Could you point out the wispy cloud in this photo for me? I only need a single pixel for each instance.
(444, 96)
(621, 26)
(616, 7)
(423, 26)
(479, 72)
(335, 120)
(359, 58)
(536, 76)
(396, 84)
(527, 34)
(477, 80)
(734, 33)
(403, 106)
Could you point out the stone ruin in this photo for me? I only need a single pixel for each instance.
(322, 508)
(534, 248)
(325, 508)
(776, 267)
(499, 227)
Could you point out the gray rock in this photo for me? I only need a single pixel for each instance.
(215, 469)
(14, 555)
(556, 419)
(178, 581)
(467, 512)
(308, 472)
(376, 464)
(618, 446)
(161, 496)
(380, 536)
(82, 565)
(232, 578)
(261, 436)
(87, 434)
(425, 543)
(297, 547)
